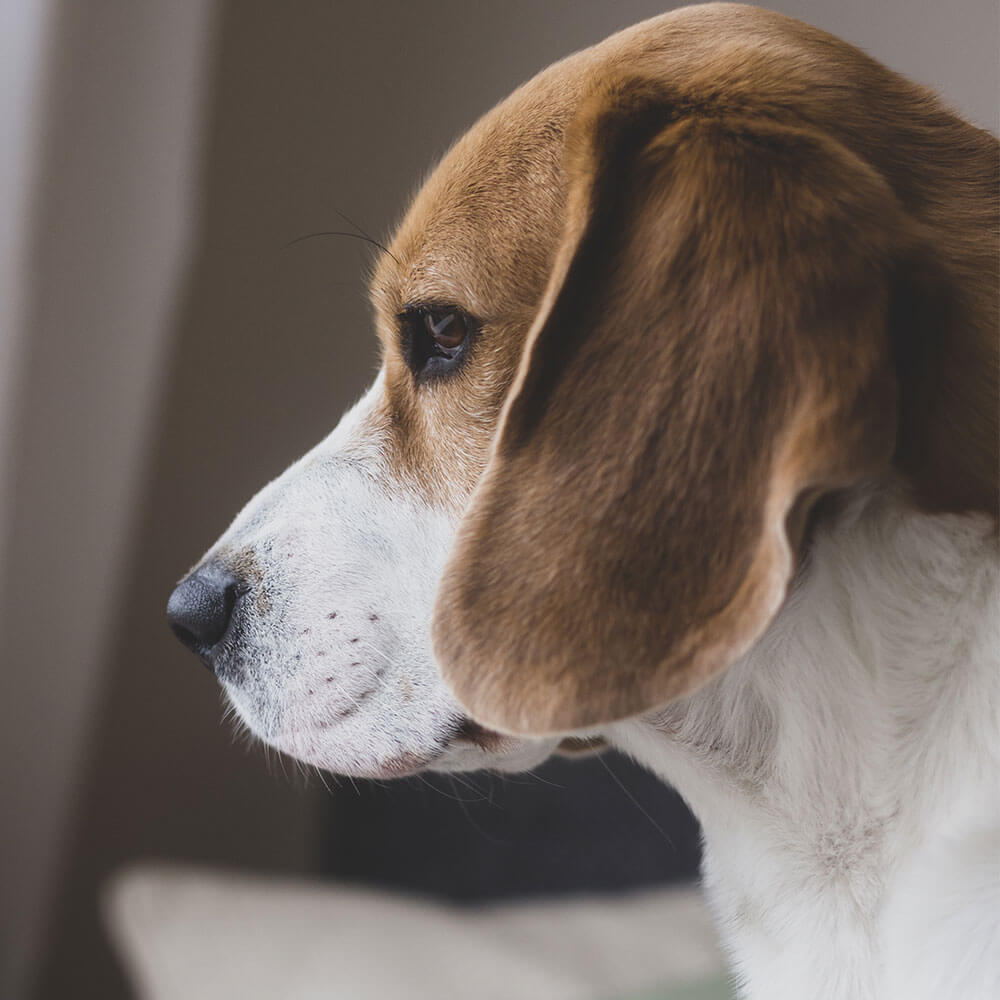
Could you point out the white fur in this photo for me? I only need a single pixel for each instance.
(846, 771)
(332, 660)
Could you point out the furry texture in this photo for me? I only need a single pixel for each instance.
(613, 434)
(715, 483)
(845, 770)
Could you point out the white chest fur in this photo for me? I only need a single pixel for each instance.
(846, 772)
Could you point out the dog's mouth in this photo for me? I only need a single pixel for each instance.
(466, 737)
(468, 731)
(473, 747)
(472, 734)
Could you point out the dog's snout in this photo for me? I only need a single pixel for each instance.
(201, 606)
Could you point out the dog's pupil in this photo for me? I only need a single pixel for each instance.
(447, 329)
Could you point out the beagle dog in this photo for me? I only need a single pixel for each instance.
(685, 442)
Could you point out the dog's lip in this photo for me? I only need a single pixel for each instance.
(469, 731)
(405, 765)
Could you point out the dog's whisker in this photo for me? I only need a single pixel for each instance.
(663, 833)
(533, 774)
(318, 771)
(340, 232)
(363, 232)
(464, 806)
(452, 796)
(464, 781)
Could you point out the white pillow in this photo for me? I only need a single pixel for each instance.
(189, 934)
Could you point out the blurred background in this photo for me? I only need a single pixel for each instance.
(163, 354)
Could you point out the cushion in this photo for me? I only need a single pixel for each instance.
(190, 934)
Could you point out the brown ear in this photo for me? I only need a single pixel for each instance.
(711, 354)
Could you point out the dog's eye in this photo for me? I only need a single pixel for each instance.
(446, 329)
(435, 338)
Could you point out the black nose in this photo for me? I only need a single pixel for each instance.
(201, 606)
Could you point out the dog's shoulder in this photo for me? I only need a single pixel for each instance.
(845, 769)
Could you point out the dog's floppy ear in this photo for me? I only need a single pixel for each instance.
(711, 354)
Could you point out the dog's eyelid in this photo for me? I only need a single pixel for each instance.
(424, 306)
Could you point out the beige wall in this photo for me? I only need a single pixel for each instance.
(159, 390)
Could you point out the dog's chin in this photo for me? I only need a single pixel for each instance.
(507, 755)
(365, 748)
(346, 759)
(453, 756)
(478, 749)
(487, 752)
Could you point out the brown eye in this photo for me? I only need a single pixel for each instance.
(446, 329)
(435, 339)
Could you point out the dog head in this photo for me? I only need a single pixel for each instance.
(641, 317)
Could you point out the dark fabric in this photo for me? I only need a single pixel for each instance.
(571, 826)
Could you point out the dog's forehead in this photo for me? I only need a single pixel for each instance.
(482, 230)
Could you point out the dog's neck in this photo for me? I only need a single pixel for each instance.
(826, 766)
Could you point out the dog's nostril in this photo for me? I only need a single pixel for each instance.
(187, 637)
(201, 606)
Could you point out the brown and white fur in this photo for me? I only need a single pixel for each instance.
(715, 484)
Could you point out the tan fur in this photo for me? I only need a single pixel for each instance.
(728, 264)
